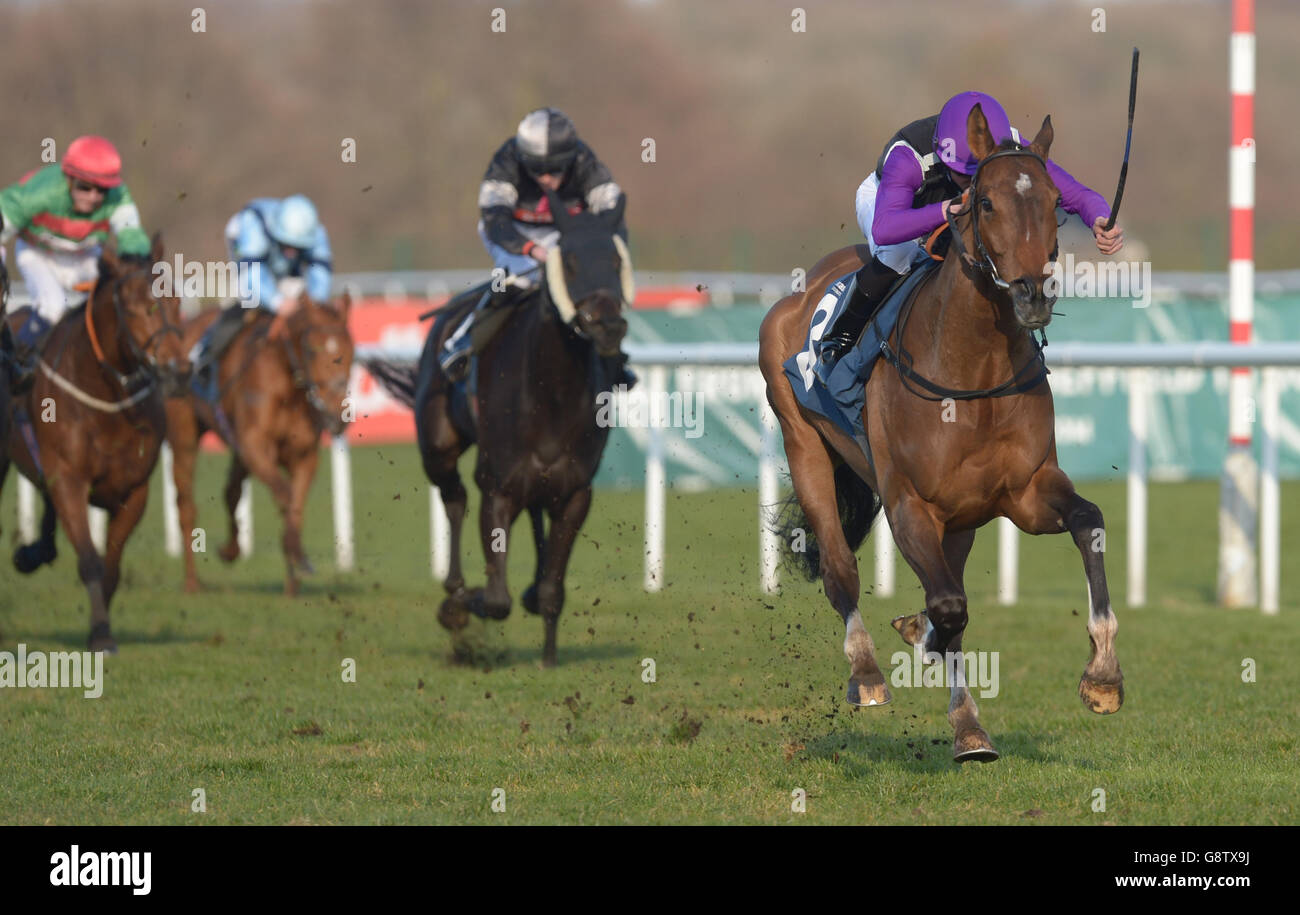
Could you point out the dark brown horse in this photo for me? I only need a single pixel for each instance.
(95, 414)
(276, 398)
(539, 442)
(944, 467)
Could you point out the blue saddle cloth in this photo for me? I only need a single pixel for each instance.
(843, 394)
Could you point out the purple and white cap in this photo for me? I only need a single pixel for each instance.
(950, 132)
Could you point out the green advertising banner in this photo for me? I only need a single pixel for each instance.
(711, 429)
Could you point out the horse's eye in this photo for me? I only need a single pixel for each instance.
(986, 205)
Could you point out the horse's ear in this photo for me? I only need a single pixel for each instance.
(343, 304)
(1043, 141)
(978, 137)
(156, 247)
(614, 218)
(558, 212)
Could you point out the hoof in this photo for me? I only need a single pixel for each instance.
(229, 552)
(530, 600)
(868, 695)
(452, 614)
(482, 609)
(912, 628)
(101, 639)
(973, 746)
(1102, 698)
(30, 557)
(291, 587)
(192, 586)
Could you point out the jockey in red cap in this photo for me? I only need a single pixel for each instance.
(61, 215)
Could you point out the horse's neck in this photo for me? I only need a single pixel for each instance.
(560, 359)
(961, 315)
(104, 318)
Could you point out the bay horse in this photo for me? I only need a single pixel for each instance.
(94, 421)
(981, 444)
(534, 417)
(276, 399)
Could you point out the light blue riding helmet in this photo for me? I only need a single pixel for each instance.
(295, 223)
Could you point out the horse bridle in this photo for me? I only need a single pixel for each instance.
(302, 378)
(147, 366)
(985, 262)
(902, 360)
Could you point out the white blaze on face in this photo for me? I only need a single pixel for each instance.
(1023, 183)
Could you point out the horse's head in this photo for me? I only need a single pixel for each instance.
(589, 275)
(322, 348)
(149, 334)
(1012, 205)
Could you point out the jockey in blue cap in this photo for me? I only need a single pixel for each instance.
(287, 250)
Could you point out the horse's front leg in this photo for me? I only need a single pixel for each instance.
(939, 558)
(553, 557)
(496, 515)
(1050, 505)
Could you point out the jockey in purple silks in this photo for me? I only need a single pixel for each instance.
(921, 173)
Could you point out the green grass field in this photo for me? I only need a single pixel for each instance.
(238, 691)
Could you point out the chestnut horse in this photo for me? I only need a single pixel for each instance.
(959, 434)
(538, 431)
(95, 415)
(276, 398)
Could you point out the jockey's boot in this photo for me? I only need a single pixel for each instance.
(866, 291)
(27, 346)
(458, 349)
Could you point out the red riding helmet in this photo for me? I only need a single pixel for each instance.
(95, 160)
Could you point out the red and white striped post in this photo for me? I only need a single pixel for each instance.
(1239, 488)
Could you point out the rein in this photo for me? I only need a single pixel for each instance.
(902, 360)
(145, 372)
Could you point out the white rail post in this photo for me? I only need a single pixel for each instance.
(769, 544)
(26, 510)
(1270, 526)
(99, 528)
(244, 518)
(884, 557)
(1139, 408)
(341, 484)
(1008, 562)
(439, 536)
(171, 515)
(655, 486)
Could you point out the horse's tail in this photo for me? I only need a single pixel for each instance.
(397, 378)
(857, 504)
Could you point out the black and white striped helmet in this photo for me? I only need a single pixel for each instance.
(547, 141)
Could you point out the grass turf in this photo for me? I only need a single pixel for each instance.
(238, 691)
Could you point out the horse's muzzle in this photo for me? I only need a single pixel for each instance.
(1032, 305)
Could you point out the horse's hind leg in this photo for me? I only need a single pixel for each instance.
(440, 450)
(235, 477)
(42, 551)
(1050, 505)
(566, 520)
(813, 475)
(539, 541)
(938, 559)
(183, 437)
